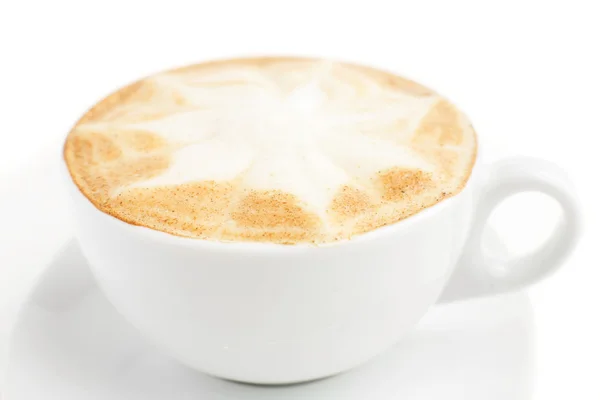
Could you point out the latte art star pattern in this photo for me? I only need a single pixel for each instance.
(282, 150)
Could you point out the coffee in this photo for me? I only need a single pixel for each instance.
(282, 150)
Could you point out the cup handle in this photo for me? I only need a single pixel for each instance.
(479, 274)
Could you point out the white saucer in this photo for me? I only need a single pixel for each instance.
(70, 344)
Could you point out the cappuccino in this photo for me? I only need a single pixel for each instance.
(281, 150)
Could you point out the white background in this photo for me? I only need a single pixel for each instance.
(527, 72)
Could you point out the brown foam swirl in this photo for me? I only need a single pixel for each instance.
(283, 150)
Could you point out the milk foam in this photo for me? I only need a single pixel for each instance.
(314, 129)
(305, 135)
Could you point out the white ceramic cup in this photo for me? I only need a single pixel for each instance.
(274, 314)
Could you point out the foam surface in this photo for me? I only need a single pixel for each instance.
(285, 150)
